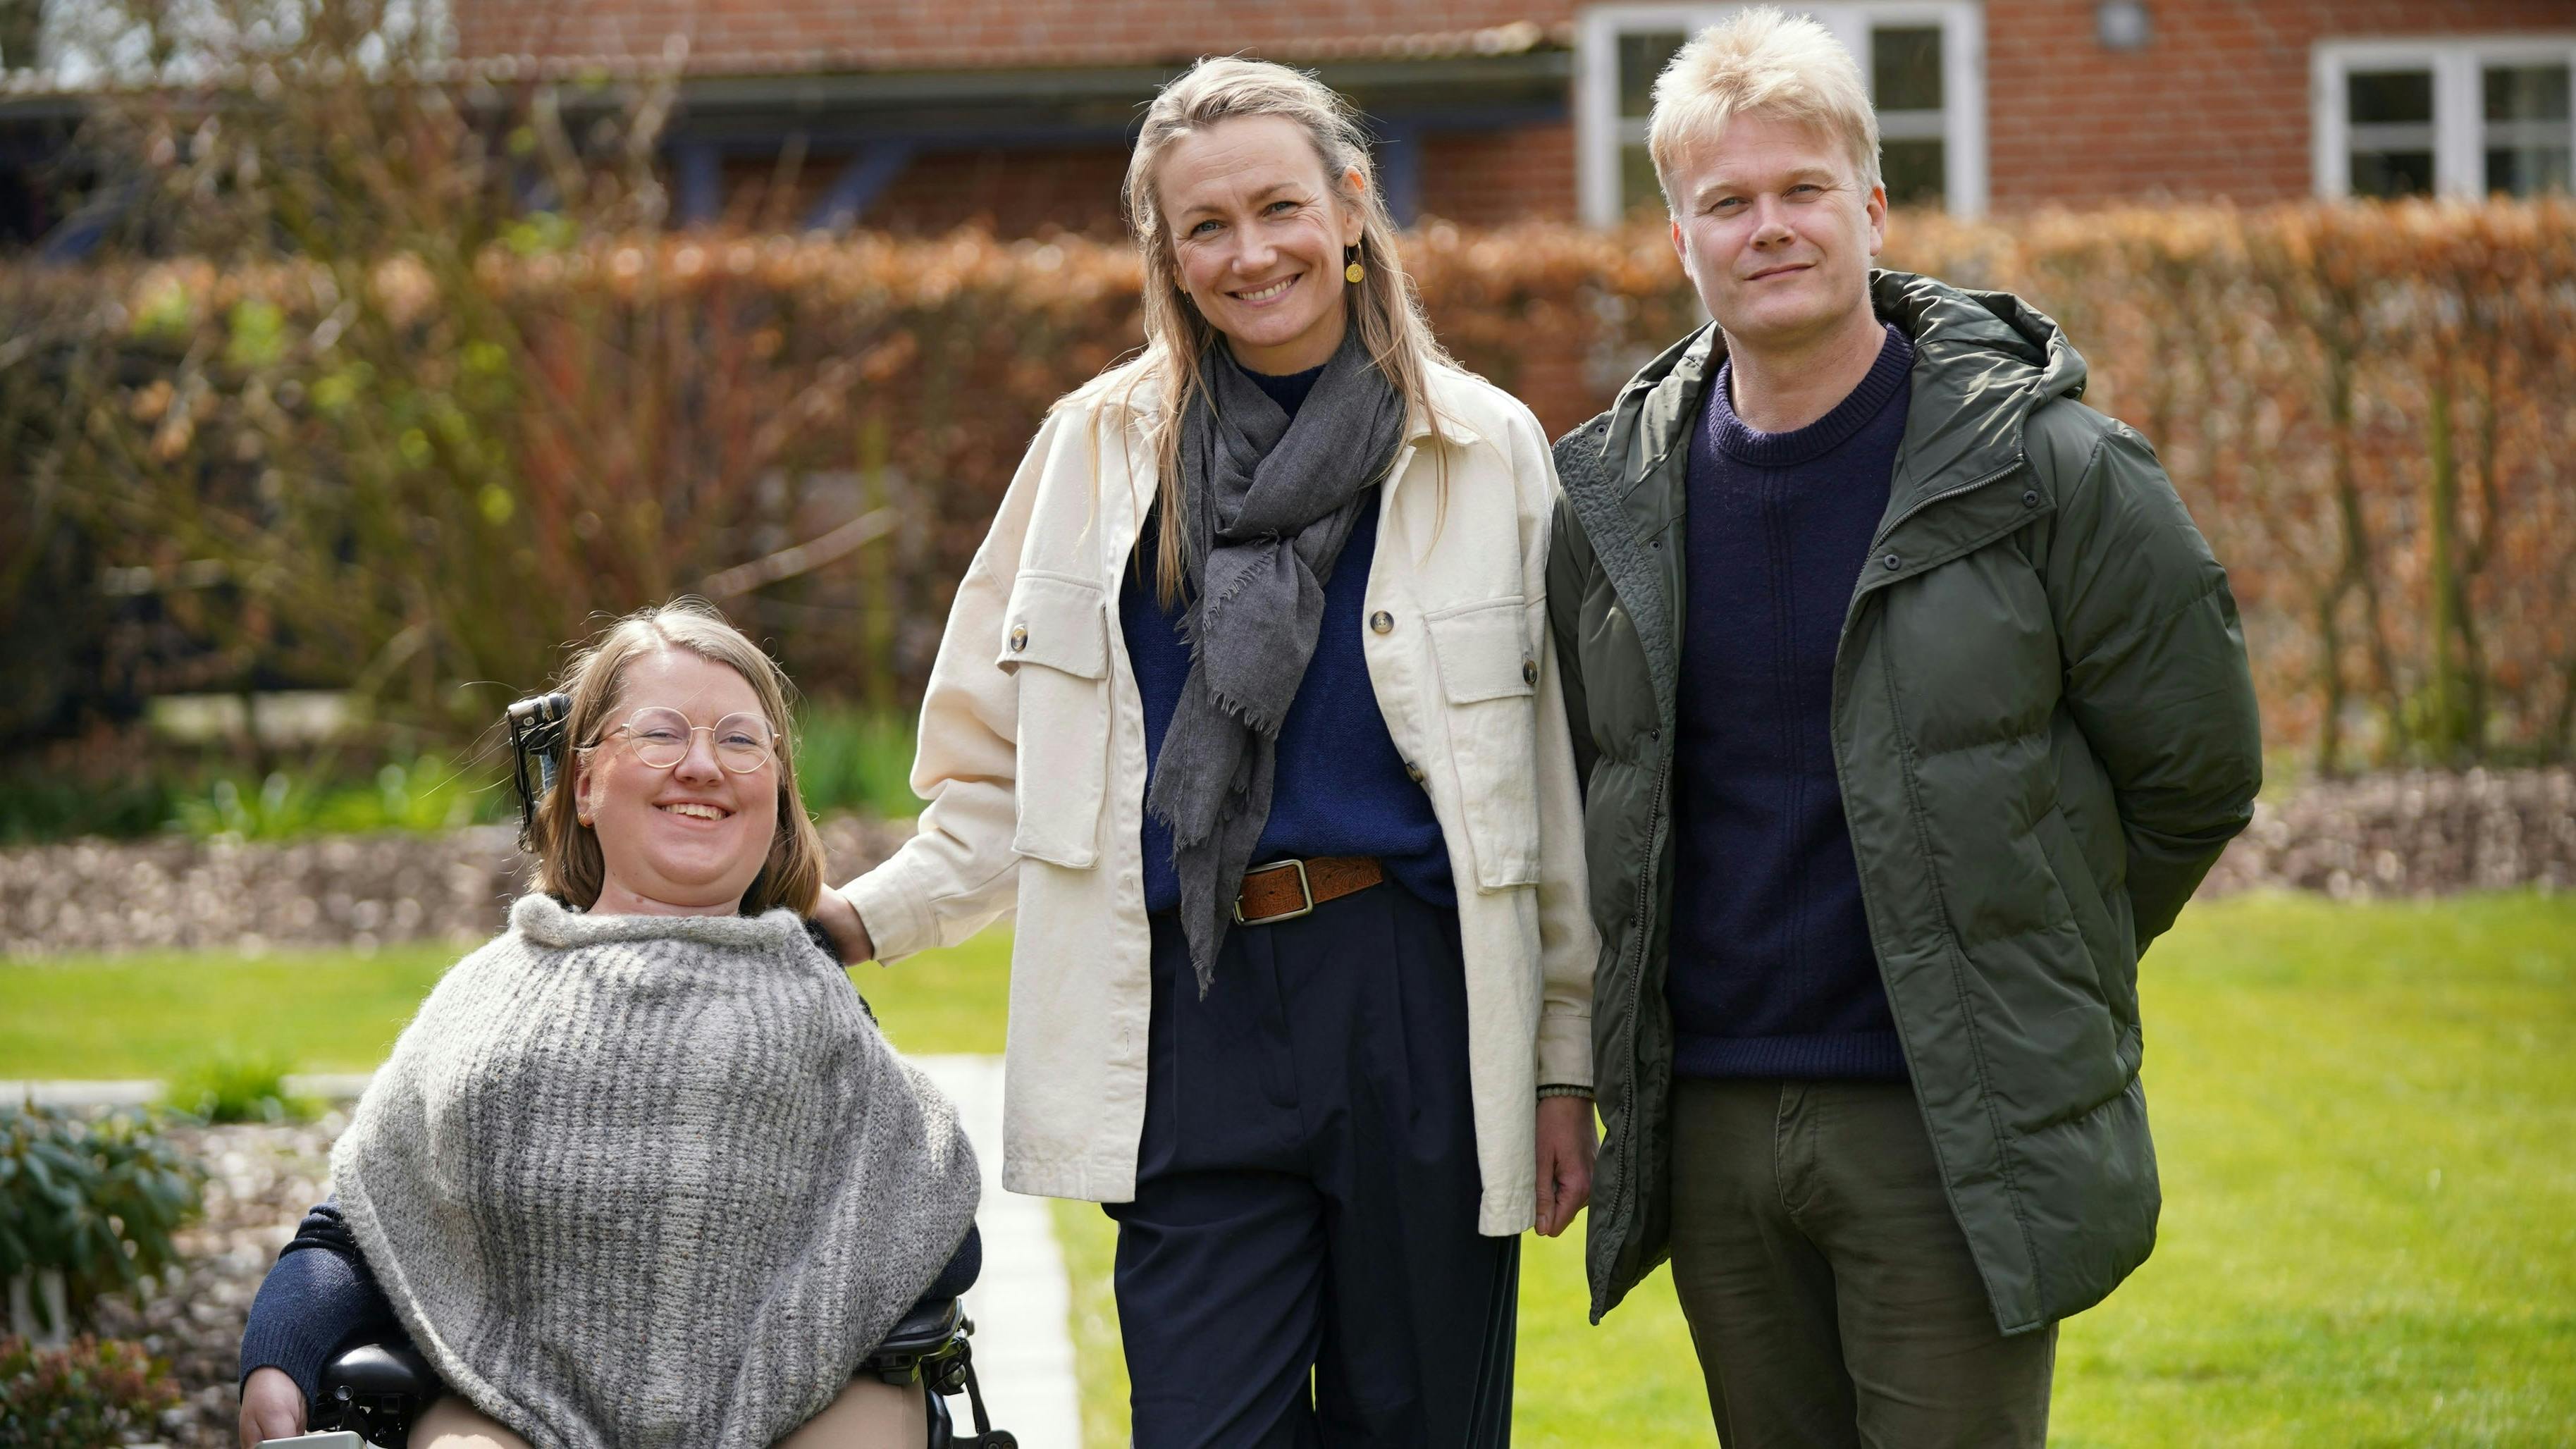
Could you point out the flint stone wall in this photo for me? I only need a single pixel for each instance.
(361, 891)
(2416, 834)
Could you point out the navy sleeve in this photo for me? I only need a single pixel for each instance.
(318, 1297)
(964, 1267)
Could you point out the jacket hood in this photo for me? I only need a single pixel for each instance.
(1983, 362)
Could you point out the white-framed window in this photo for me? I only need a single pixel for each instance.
(2463, 117)
(1925, 61)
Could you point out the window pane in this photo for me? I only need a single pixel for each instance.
(1915, 172)
(2527, 170)
(1642, 57)
(2526, 93)
(1637, 185)
(2383, 96)
(2392, 173)
(1905, 68)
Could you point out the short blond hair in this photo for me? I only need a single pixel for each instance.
(1765, 61)
(569, 865)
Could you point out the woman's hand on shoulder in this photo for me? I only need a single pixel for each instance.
(838, 918)
(272, 1407)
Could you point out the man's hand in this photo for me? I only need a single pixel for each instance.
(841, 921)
(1565, 1144)
(272, 1407)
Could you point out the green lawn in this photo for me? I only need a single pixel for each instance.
(2366, 1114)
(2367, 1122)
(141, 1016)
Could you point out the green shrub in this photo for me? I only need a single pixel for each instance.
(85, 1394)
(849, 759)
(40, 805)
(42, 799)
(428, 794)
(237, 1087)
(96, 1199)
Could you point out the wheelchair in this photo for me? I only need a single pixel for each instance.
(376, 1390)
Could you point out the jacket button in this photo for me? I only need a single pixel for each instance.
(1529, 671)
(2030, 499)
(1381, 621)
(1019, 638)
(1414, 773)
(1893, 563)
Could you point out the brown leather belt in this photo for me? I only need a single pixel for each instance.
(1283, 890)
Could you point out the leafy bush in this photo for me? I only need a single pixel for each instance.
(428, 794)
(2363, 406)
(236, 1087)
(87, 1393)
(54, 795)
(39, 805)
(849, 759)
(97, 1199)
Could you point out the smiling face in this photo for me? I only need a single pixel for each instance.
(689, 839)
(1776, 231)
(1258, 238)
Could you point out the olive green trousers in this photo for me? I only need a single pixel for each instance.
(1829, 1290)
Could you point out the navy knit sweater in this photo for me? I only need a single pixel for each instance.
(1340, 786)
(1772, 972)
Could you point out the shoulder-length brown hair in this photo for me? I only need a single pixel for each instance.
(568, 860)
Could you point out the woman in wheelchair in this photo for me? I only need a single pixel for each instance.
(642, 1170)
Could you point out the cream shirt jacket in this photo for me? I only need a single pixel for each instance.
(1032, 761)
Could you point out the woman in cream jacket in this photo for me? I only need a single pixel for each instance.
(1322, 1080)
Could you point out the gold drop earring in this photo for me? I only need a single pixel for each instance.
(1353, 273)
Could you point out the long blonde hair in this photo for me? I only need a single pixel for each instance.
(569, 865)
(1382, 306)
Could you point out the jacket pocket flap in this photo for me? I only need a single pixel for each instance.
(1057, 622)
(1483, 651)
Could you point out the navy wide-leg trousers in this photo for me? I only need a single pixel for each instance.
(1301, 1265)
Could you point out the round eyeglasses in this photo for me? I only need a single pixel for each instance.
(661, 738)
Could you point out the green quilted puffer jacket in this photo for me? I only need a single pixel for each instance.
(2044, 730)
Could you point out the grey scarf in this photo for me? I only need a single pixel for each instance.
(1267, 503)
(650, 1182)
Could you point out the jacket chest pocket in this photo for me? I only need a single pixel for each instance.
(1055, 641)
(1489, 681)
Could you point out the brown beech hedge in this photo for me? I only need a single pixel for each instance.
(414, 475)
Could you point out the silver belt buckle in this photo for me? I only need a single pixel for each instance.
(1304, 888)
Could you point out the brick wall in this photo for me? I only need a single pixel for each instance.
(1013, 193)
(1491, 178)
(2215, 105)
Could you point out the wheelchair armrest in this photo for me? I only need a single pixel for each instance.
(925, 1329)
(379, 1370)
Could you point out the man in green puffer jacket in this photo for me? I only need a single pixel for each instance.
(1910, 708)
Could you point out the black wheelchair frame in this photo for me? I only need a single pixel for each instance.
(376, 1390)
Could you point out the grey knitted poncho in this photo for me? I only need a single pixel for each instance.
(650, 1181)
